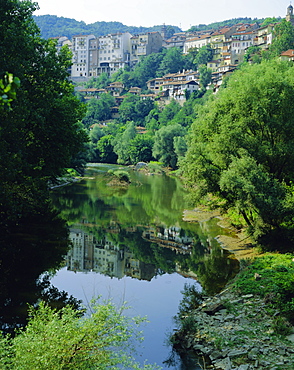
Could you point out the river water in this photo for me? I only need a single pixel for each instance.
(131, 245)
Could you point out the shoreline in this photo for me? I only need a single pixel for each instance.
(230, 331)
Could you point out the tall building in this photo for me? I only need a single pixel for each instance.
(289, 15)
(80, 50)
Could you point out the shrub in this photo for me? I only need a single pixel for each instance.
(123, 176)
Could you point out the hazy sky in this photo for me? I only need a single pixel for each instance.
(181, 13)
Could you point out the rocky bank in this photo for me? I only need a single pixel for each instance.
(234, 332)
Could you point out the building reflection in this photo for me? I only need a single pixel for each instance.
(103, 255)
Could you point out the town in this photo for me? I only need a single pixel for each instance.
(93, 56)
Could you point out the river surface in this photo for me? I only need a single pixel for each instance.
(131, 245)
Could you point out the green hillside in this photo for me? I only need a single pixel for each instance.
(53, 26)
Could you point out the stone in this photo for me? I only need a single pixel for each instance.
(243, 367)
(290, 337)
(224, 364)
(215, 355)
(212, 309)
(237, 353)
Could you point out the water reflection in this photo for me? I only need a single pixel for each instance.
(134, 240)
(36, 243)
(138, 231)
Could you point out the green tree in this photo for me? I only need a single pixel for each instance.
(242, 143)
(164, 144)
(168, 113)
(99, 109)
(62, 340)
(205, 76)
(283, 38)
(172, 62)
(121, 144)
(104, 150)
(40, 135)
(203, 55)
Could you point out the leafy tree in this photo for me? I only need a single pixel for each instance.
(241, 145)
(203, 55)
(121, 144)
(141, 149)
(205, 76)
(8, 87)
(127, 109)
(98, 82)
(168, 113)
(134, 109)
(283, 38)
(40, 135)
(270, 20)
(172, 62)
(164, 144)
(62, 340)
(253, 53)
(104, 150)
(99, 109)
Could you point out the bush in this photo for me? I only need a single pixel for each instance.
(276, 284)
(123, 176)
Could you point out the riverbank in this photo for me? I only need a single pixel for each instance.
(235, 332)
(238, 243)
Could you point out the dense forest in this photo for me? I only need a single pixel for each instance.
(172, 132)
(53, 26)
(234, 150)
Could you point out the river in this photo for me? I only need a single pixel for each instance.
(131, 244)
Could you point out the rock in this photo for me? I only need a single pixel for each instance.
(248, 296)
(290, 337)
(215, 355)
(243, 367)
(237, 353)
(212, 309)
(140, 165)
(224, 364)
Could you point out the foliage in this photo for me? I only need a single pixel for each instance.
(164, 144)
(226, 23)
(192, 298)
(172, 62)
(203, 55)
(283, 38)
(8, 86)
(34, 127)
(53, 26)
(276, 282)
(122, 175)
(241, 145)
(98, 82)
(98, 109)
(133, 108)
(62, 340)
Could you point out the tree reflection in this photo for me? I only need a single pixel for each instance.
(35, 243)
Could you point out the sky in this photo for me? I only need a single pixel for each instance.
(147, 13)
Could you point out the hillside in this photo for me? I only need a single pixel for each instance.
(53, 26)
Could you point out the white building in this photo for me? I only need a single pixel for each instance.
(80, 59)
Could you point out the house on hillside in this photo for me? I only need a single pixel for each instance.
(92, 92)
(288, 55)
(115, 88)
(195, 42)
(143, 45)
(177, 40)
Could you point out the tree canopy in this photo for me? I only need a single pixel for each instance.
(62, 340)
(242, 143)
